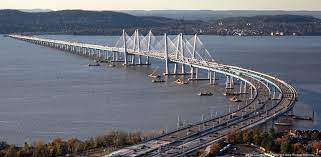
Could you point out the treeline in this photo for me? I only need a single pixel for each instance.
(80, 22)
(287, 142)
(73, 147)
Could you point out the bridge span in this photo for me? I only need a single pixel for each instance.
(267, 97)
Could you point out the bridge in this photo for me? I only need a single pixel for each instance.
(266, 97)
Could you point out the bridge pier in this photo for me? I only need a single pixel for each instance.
(251, 93)
(241, 84)
(227, 82)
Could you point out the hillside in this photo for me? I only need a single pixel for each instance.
(86, 22)
(264, 25)
(207, 15)
(111, 23)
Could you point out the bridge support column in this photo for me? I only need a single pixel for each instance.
(175, 68)
(245, 88)
(210, 77)
(114, 56)
(192, 72)
(196, 73)
(274, 94)
(183, 69)
(251, 92)
(214, 77)
(231, 82)
(99, 54)
(133, 59)
(241, 84)
(139, 59)
(227, 82)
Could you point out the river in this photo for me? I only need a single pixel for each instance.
(46, 93)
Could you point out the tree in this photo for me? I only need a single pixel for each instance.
(231, 136)
(239, 138)
(257, 138)
(40, 150)
(214, 149)
(245, 137)
(298, 148)
(316, 146)
(74, 145)
(285, 147)
(272, 133)
(11, 152)
(3, 145)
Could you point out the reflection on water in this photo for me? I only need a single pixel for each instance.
(47, 93)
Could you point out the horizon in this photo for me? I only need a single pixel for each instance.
(38, 9)
(211, 5)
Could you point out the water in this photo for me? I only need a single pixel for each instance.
(47, 93)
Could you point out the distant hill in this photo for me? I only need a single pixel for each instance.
(216, 14)
(111, 23)
(264, 25)
(87, 22)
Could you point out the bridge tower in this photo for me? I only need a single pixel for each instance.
(166, 56)
(148, 46)
(182, 51)
(193, 57)
(138, 48)
(177, 52)
(125, 48)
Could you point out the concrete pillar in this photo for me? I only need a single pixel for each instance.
(251, 91)
(214, 77)
(245, 88)
(196, 73)
(210, 76)
(227, 82)
(192, 72)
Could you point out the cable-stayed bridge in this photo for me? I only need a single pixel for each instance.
(267, 97)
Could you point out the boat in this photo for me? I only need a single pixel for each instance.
(111, 65)
(205, 94)
(153, 75)
(282, 124)
(181, 82)
(231, 94)
(235, 99)
(158, 79)
(94, 64)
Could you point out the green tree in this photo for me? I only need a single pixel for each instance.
(285, 147)
(272, 133)
(214, 149)
(257, 138)
(11, 152)
(40, 150)
(239, 138)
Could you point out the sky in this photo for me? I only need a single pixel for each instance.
(163, 4)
